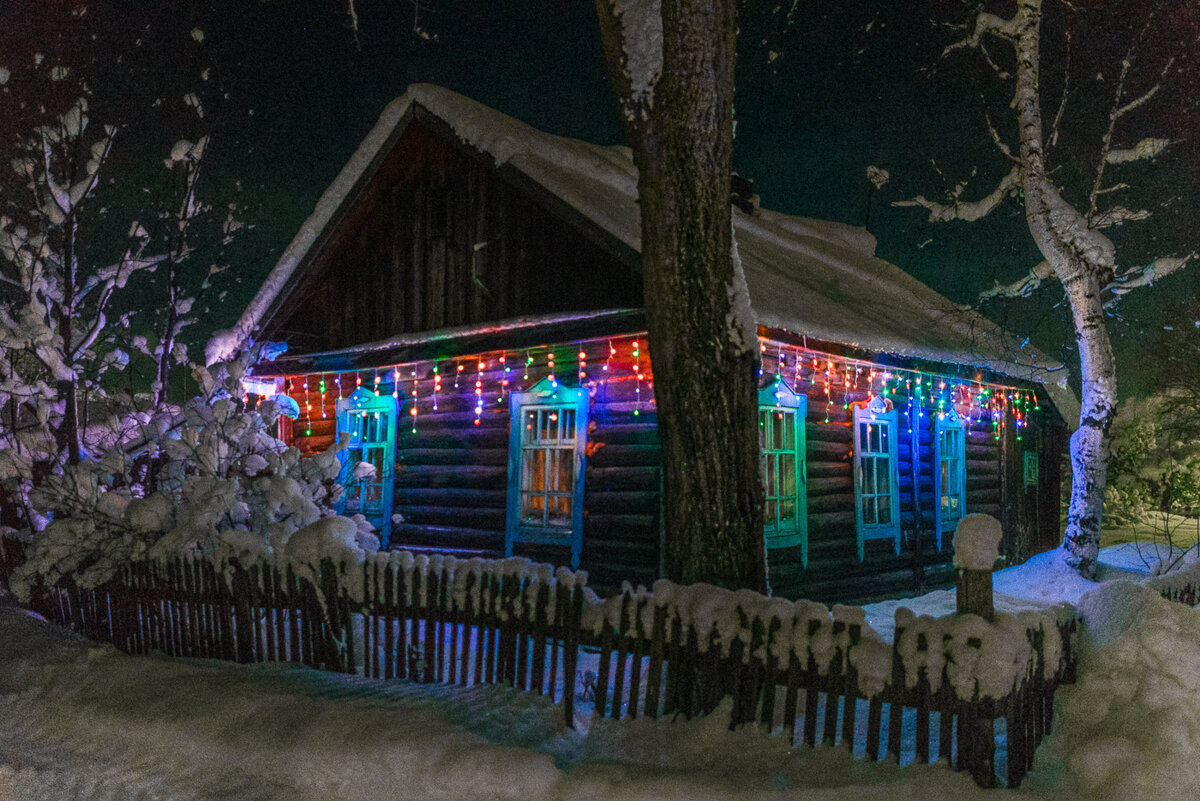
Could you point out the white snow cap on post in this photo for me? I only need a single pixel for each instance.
(977, 542)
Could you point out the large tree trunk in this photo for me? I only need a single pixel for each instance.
(704, 355)
(1083, 260)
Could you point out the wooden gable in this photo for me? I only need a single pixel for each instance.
(439, 236)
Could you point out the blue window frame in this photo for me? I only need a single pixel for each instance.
(546, 446)
(876, 495)
(950, 473)
(370, 423)
(781, 415)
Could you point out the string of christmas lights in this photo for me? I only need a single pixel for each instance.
(839, 380)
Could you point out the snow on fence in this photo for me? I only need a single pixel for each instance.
(795, 667)
(1182, 586)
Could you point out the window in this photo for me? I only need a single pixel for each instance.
(547, 437)
(370, 422)
(781, 414)
(950, 476)
(876, 499)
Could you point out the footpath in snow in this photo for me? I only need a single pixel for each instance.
(81, 721)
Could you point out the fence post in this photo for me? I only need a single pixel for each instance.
(976, 546)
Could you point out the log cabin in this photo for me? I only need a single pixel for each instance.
(465, 301)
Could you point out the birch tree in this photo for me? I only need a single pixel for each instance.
(672, 65)
(1069, 227)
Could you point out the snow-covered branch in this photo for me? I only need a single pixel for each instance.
(635, 27)
(1024, 286)
(957, 209)
(1145, 275)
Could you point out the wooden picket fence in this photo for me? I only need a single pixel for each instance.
(525, 629)
(684, 678)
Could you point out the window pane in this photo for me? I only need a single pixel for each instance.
(771, 485)
(868, 510)
(883, 476)
(559, 507)
(787, 510)
(885, 511)
(561, 470)
(787, 475)
(868, 476)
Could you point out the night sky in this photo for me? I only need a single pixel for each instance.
(289, 89)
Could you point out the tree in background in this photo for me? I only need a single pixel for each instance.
(672, 64)
(1070, 219)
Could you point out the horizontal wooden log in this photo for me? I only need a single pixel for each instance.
(320, 426)
(622, 478)
(830, 503)
(983, 451)
(449, 456)
(634, 553)
(468, 517)
(981, 497)
(451, 496)
(620, 527)
(827, 451)
(312, 444)
(625, 433)
(442, 420)
(906, 500)
(821, 469)
(622, 502)
(830, 522)
(906, 518)
(462, 476)
(474, 437)
(982, 467)
(827, 432)
(834, 484)
(447, 537)
(978, 482)
(625, 455)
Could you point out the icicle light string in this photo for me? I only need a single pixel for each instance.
(814, 372)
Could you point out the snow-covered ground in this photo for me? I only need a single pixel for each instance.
(81, 721)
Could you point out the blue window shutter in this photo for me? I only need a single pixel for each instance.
(547, 443)
(781, 435)
(876, 488)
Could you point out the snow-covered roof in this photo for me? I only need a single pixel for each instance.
(813, 278)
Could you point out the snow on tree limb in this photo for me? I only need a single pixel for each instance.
(964, 210)
(1145, 149)
(1145, 275)
(1024, 286)
(638, 24)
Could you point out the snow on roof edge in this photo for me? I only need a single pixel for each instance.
(224, 343)
(539, 155)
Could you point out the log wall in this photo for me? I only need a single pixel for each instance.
(451, 477)
(441, 237)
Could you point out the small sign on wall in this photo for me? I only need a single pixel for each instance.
(1031, 469)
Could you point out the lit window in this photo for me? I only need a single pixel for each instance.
(781, 414)
(876, 496)
(950, 476)
(368, 461)
(545, 467)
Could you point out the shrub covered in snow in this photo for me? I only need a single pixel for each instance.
(205, 479)
(1155, 462)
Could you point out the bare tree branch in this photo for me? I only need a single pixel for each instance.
(1145, 275)
(1023, 287)
(969, 211)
